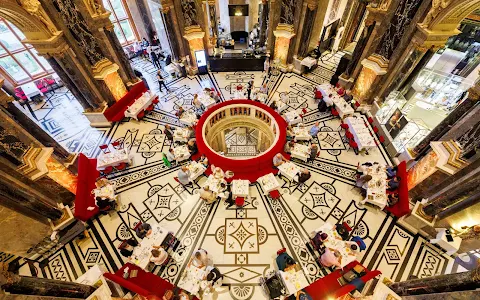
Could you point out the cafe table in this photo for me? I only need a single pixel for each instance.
(360, 132)
(334, 241)
(181, 153)
(142, 253)
(181, 135)
(377, 186)
(269, 183)
(196, 169)
(289, 170)
(188, 118)
(294, 281)
(301, 133)
(191, 280)
(139, 105)
(214, 183)
(240, 188)
(113, 158)
(292, 117)
(206, 100)
(301, 152)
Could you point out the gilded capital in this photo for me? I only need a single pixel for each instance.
(34, 8)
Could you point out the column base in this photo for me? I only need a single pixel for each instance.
(66, 219)
(417, 219)
(345, 82)
(297, 66)
(98, 119)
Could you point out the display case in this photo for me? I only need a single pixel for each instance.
(442, 90)
(410, 136)
(392, 102)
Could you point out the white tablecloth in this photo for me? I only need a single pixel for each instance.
(196, 169)
(192, 279)
(262, 97)
(114, 158)
(292, 117)
(309, 61)
(334, 241)
(268, 183)
(289, 170)
(377, 186)
(240, 188)
(141, 254)
(361, 134)
(294, 281)
(214, 183)
(181, 153)
(206, 100)
(188, 118)
(181, 135)
(301, 152)
(107, 191)
(30, 90)
(301, 133)
(139, 105)
(281, 106)
(343, 107)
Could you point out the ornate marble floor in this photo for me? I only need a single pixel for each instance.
(241, 242)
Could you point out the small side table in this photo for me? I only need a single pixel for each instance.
(441, 240)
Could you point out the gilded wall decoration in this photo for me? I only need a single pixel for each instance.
(287, 14)
(34, 8)
(423, 169)
(79, 29)
(402, 18)
(437, 7)
(61, 175)
(189, 10)
(281, 49)
(364, 83)
(334, 10)
(115, 85)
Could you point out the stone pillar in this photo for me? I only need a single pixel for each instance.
(454, 189)
(283, 34)
(374, 67)
(10, 112)
(16, 284)
(146, 17)
(347, 78)
(194, 35)
(273, 20)
(192, 32)
(438, 284)
(309, 12)
(171, 28)
(263, 23)
(353, 21)
(454, 116)
(210, 39)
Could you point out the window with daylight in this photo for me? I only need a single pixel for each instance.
(19, 63)
(122, 21)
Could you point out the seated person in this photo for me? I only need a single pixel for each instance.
(143, 230)
(278, 160)
(392, 199)
(283, 260)
(304, 176)
(313, 152)
(217, 172)
(199, 259)
(203, 160)
(315, 129)
(127, 247)
(391, 171)
(196, 102)
(192, 146)
(184, 175)
(170, 155)
(264, 89)
(102, 182)
(191, 132)
(159, 256)
(274, 105)
(169, 132)
(207, 195)
(290, 264)
(290, 134)
(393, 183)
(179, 112)
(348, 95)
(331, 258)
(289, 147)
(225, 189)
(104, 203)
(362, 183)
(213, 277)
(322, 106)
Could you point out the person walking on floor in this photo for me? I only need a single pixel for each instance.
(161, 81)
(155, 60)
(249, 89)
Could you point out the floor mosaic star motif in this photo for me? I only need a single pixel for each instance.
(241, 242)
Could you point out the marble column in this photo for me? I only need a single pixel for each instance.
(273, 20)
(171, 28)
(346, 79)
(453, 189)
(147, 21)
(23, 285)
(438, 284)
(263, 23)
(374, 67)
(353, 21)
(192, 32)
(309, 13)
(209, 38)
(454, 116)
(459, 206)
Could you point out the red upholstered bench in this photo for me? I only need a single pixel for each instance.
(328, 287)
(116, 112)
(144, 284)
(87, 175)
(402, 207)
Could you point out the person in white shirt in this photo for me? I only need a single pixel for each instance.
(170, 155)
(199, 259)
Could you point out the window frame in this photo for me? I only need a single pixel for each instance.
(117, 21)
(25, 48)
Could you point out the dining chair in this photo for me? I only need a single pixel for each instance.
(104, 148)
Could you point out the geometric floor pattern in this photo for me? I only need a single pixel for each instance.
(241, 242)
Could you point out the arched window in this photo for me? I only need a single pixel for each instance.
(19, 63)
(122, 21)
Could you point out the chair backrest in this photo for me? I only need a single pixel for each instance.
(381, 139)
(347, 226)
(283, 250)
(138, 225)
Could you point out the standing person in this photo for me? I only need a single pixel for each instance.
(249, 89)
(145, 44)
(161, 81)
(266, 66)
(155, 60)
